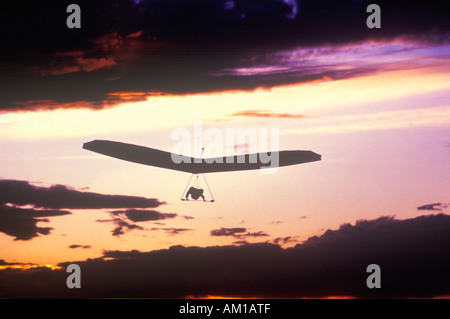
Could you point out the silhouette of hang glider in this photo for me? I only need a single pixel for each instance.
(194, 165)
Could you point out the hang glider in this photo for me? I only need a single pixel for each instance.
(194, 165)
(153, 157)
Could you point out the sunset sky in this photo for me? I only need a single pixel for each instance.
(375, 103)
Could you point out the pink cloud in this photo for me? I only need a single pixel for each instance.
(350, 59)
(268, 114)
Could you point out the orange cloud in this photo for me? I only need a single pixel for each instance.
(61, 70)
(89, 65)
(71, 62)
(135, 34)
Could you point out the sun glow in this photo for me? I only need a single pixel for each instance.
(28, 266)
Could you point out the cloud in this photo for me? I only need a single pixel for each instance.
(22, 223)
(238, 232)
(91, 64)
(221, 45)
(137, 215)
(79, 246)
(323, 63)
(268, 114)
(285, 240)
(175, 231)
(110, 99)
(122, 225)
(255, 234)
(227, 231)
(435, 206)
(171, 230)
(122, 219)
(413, 256)
(71, 62)
(4, 263)
(22, 193)
(18, 220)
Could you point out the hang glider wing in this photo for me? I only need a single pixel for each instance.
(157, 158)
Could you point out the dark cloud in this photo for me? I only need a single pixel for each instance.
(285, 240)
(175, 231)
(122, 218)
(137, 215)
(238, 232)
(255, 234)
(22, 193)
(413, 256)
(435, 206)
(122, 226)
(15, 220)
(171, 230)
(219, 23)
(241, 242)
(79, 246)
(228, 231)
(4, 263)
(179, 46)
(22, 223)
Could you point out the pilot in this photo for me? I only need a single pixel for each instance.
(195, 193)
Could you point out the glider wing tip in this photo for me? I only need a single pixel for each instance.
(87, 145)
(319, 157)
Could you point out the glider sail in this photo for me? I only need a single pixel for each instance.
(153, 157)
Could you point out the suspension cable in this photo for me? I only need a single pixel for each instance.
(212, 200)
(186, 188)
